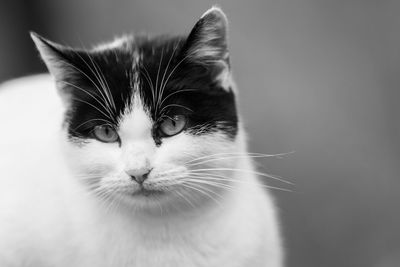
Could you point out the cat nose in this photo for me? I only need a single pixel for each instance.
(139, 175)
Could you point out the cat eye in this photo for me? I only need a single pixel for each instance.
(173, 125)
(106, 134)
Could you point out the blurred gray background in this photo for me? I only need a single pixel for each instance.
(320, 78)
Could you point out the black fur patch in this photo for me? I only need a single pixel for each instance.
(169, 81)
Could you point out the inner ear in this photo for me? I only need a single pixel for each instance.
(207, 42)
(207, 45)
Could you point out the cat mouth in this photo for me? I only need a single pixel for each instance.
(147, 192)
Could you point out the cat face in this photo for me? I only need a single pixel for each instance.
(149, 119)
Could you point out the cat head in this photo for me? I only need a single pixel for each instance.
(149, 118)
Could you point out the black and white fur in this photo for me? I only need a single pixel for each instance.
(67, 199)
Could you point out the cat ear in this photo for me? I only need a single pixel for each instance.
(60, 63)
(54, 55)
(207, 42)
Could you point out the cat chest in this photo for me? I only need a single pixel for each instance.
(171, 251)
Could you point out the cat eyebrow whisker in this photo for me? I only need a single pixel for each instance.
(149, 81)
(80, 125)
(97, 76)
(93, 106)
(198, 129)
(105, 83)
(173, 70)
(165, 115)
(91, 95)
(102, 81)
(162, 86)
(106, 96)
(175, 105)
(157, 86)
(90, 79)
(176, 92)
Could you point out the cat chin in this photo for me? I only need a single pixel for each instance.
(144, 199)
(156, 203)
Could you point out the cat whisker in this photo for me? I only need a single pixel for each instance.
(101, 82)
(231, 157)
(176, 92)
(102, 92)
(203, 190)
(107, 123)
(105, 198)
(180, 194)
(91, 95)
(93, 106)
(165, 116)
(157, 200)
(149, 81)
(200, 180)
(82, 72)
(88, 176)
(175, 67)
(244, 171)
(172, 72)
(90, 79)
(162, 86)
(105, 83)
(113, 201)
(240, 154)
(175, 105)
(199, 129)
(213, 177)
(158, 74)
(112, 198)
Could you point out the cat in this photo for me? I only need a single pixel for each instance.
(132, 154)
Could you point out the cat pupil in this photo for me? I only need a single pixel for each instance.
(174, 122)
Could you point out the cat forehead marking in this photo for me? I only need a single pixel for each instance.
(136, 121)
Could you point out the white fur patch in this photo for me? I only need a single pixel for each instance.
(118, 42)
(136, 122)
(225, 77)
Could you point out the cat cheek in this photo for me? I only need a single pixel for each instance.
(93, 157)
(176, 150)
(168, 170)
